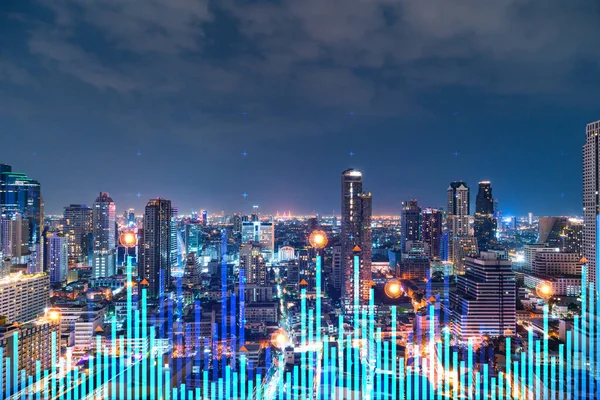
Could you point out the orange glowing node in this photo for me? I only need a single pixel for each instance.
(279, 339)
(318, 239)
(393, 289)
(54, 315)
(128, 238)
(544, 290)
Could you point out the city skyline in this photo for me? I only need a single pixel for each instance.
(393, 207)
(299, 199)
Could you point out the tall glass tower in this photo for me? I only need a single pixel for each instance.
(103, 259)
(356, 238)
(155, 247)
(485, 224)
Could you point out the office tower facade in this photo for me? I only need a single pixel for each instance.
(415, 264)
(410, 223)
(155, 247)
(336, 267)
(34, 345)
(262, 233)
(463, 247)
(103, 223)
(530, 250)
(21, 195)
(253, 264)
(458, 210)
(193, 237)
(56, 256)
(14, 237)
(77, 226)
(561, 232)
(551, 230)
(191, 273)
(484, 224)
(591, 197)
(175, 241)
(557, 263)
(104, 231)
(573, 237)
(485, 299)
(356, 238)
(431, 232)
(24, 297)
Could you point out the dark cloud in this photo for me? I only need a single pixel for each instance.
(297, 68)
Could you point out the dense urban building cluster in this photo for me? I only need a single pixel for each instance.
(206, 292)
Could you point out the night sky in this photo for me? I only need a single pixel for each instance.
(200, 101)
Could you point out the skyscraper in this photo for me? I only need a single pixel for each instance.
(591, 198)
(22, 195)
(431, 232)
(356, 238)
(77, 226)
(56, 256)
(485, 224)
(458, 208)
(485, 299)
(104, 233)
(155, 247)
(410, 222)
(253, 264)
(262, 233)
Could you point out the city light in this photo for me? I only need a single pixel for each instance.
(544, 290)
(318, 239)
(279, 339)
(128, 238)
(393, 289)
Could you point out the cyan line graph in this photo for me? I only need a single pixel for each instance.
(358, 363)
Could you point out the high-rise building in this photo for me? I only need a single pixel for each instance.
(415, 263)
(531, 250)
(33, 350)
(460, 239)
(253, 264)
(56, 256)
(336, 266)
(551, 229)
(193, 237)
(14, 237)
(561, 232)
(356, 238)
(24, 297)
(191, 273)
(262, 233)
(431, 232)
(463, 247)
(77, 226)
(591, 196)
(410, 223)
(557, 263)
(103, 259)
(458, 208)
(485, 224)
(21, 195)
(155, 247)
(103, 223)
(485, 299)
(573, 237)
